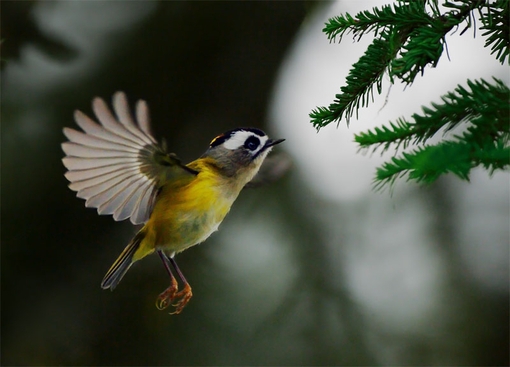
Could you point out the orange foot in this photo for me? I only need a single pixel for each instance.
(165, 299)
(182, 298)
(170, 294)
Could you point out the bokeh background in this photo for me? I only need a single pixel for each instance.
(315, 269)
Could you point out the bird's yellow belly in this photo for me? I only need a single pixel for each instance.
(190, 228)
(185, 217)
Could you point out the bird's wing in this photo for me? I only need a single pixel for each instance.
(117, 166)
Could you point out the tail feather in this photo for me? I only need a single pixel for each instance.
(122, 264)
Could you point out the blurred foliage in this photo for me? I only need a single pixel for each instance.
(409, 36)
(19, 29)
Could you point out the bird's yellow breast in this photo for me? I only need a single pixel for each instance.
(188, 210)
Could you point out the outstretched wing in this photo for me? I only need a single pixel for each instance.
(116, 165)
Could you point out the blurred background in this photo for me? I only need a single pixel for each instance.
(315, 269)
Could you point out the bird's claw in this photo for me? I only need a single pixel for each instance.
(171, 294)
(183, 298)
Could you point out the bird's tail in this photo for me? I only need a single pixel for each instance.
(123, 263)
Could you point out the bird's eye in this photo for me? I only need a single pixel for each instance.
(252, 143)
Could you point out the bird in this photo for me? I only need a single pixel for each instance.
(120, 169)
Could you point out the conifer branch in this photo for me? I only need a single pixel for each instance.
(496, 24)
(409, 36)
(485, 112)
(366, 74)
(484, 105)
(408, 39)
(426, 164)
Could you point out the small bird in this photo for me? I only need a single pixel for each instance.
(119, 168)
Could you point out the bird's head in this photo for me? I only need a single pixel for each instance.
(240, 152)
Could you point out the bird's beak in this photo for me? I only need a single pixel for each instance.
(272, 142)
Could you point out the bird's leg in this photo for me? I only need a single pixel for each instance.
(171, 293)
(185, 294)
(166, 297)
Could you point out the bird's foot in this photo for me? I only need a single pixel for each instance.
(165, 298)
(182, 298)
(171, 294)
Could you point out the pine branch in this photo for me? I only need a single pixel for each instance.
(426, 164)
(409, 36)
(408, 39)
(362, 78)
(398, 134)
(496, 23)
(484, 107)
(425, 46)
(408, 16)
(494, 156)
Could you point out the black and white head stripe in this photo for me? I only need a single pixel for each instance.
(251, 138)
(248, 139)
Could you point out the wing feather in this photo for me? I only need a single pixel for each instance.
(115, 164)
(144, 203)
(100, 199)
(142, 115)
(129, 204)
(93, 190)
(95, 142)
(93, 129)
(83, 151)
(120, 104)
(80, 175)
(121, 197)
(77, 163)
(111, 124)
(93, 181)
